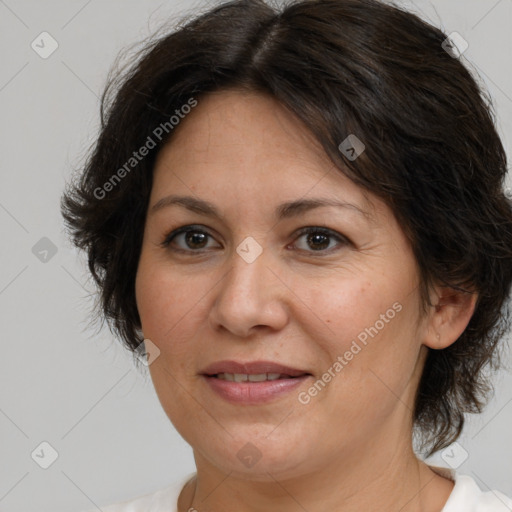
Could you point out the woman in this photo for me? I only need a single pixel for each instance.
(298, 218)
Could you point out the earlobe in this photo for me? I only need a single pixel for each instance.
(449, 318)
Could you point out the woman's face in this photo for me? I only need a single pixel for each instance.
(340, 305)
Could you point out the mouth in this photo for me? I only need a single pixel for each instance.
(258, 377)
(253, 369)
(254, 382)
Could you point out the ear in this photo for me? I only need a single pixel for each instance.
(451, 312)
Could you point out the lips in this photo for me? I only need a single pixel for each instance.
(252, 368)
(231, 380)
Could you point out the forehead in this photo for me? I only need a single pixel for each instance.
(238, 132)
(247, 147)
(233, 124)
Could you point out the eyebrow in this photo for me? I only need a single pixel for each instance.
(283, 211)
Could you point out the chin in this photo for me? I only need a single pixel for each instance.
(259, 458)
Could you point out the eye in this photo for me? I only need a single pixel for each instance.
(319, 238)
(195, 239)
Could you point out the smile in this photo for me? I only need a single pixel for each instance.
(253, 389)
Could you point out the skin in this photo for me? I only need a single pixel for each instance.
(348, 449)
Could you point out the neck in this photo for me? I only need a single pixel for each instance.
(384, 480)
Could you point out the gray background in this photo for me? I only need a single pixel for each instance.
(76, 389)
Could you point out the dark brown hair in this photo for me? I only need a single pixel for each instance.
(342, 67)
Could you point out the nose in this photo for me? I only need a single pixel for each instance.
(251, 296)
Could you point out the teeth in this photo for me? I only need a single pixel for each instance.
(242, 377)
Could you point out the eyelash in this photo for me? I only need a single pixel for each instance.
(304, 231)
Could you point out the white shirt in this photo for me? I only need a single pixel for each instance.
(466, 496)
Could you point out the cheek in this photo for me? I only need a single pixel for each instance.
(169, 305)
(369, 325)
(155, 300)
(346, 307)
(159, 292)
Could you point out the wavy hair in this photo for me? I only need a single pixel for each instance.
(342, 67)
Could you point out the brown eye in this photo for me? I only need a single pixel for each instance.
(319, 239)
(195, 239)
(192, 239)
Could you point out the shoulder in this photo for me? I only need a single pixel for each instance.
(471, 497)
(468, 497)
(162, 500)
